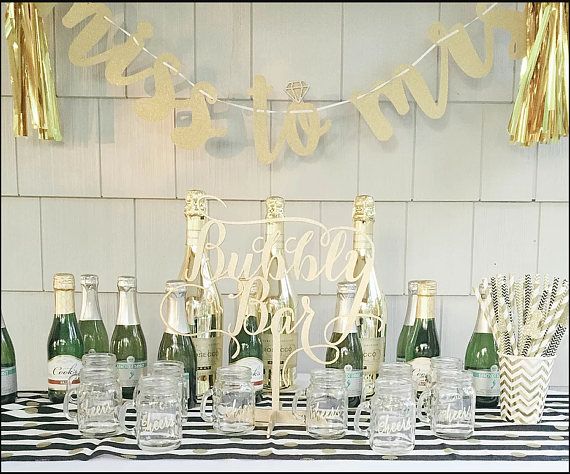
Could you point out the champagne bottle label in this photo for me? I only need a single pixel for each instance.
(486, 382)
(421, 370)
(373, 353)
(208, 355)
(60, 368)
(9, 385)
(288, 346)
(353, 381)
(256, 366)
(130, 371)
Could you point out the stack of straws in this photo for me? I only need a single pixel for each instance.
(528, 317)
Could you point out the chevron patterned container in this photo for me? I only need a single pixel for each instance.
(524, 382)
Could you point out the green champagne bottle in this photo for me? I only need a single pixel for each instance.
(250, 346)
(350, 356)
(9, 379)
(408, 322)
(372, 330)
(280, 297)
(204, 308)
(482, 361)
(65, 344)
(128, 342)
(176, 343)
(95, 338)
(423, 342)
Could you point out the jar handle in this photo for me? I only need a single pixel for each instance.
(297, 413)
(423, 400)
(70, 381)
(72, 416)
(123, 416)
(363, 406)
(207, 417)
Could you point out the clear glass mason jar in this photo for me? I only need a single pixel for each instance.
(100, 359)
(98, 398)
(174, 368)
(392, 416)
(326, 414)
(233, 401)
(395, 369)
(158, 425)
(451, 407)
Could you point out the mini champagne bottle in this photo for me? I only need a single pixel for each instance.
(9, 380)
(251, 349)
(128, 342)
(65, 344)
(408, 322)
(482, 361)
(372, 330)
(350, 357)
(176, 343)
(423, 343)
(203, 303)
(95, 338)
(280, 297)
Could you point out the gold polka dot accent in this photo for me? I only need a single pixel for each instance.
(6, 455)
(473, 441)
(43, 444)
(561, 428)
(329, 451)
(511, 435)
(556, 438)
(76, 451)
(46, 435)
(200, 451)
(291, 444)
(390, 457)
(448, 451)
(117, 439)
(30, 424)
(33, 404)
(267, 452)
(210, 430)
(518, 454)
(534, 444)
(31, 410)
(129, 456)
(280, 434)
(359, 441)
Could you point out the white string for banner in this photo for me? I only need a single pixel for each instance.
(324, 107)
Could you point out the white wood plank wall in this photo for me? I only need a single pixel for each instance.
(455, 201)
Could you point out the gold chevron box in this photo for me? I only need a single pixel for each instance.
(524, 382)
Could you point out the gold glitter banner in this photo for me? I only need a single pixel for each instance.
(31, 75)
(302, 127)
(540, 113)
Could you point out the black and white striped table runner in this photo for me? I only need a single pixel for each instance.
(35, 429)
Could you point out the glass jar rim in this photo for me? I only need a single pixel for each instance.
(102, 374)
(239, 372)
(169, 365)
(158, 383)
(394, 385)
(96, 356)
(447, 361)
(450, 376)
(327, 374)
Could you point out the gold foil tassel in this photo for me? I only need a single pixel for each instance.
(30, 72)
(540, 112)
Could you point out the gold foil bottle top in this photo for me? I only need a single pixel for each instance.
(176, 287)
(126, 282)
(413, 287)
(89, 280)
(363, 208)
(196, 203)
(275, 207)
(427, 287)
(63, 281)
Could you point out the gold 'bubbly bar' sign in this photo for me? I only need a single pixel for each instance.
(338, 264)
(302, 127)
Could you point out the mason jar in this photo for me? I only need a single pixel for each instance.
(175, 369)
(392, 416)
(451, 407)
(233, 401)
(326, 413)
